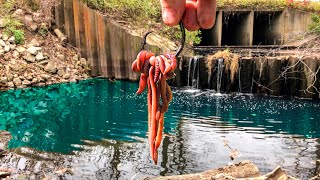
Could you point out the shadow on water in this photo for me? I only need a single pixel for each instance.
(100, 129)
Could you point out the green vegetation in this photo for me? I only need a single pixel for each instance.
(315, 26)
(11, 25)
(252, 4)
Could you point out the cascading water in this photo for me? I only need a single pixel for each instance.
(193, 73)
(219, 74)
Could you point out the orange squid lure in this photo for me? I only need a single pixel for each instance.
(155, 70)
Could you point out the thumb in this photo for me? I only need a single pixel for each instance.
(172, 11)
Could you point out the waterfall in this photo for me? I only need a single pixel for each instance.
(219, 74)
(193, 73)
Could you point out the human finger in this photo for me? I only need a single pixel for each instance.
(172, 11)
(190, 16)
(206, 13)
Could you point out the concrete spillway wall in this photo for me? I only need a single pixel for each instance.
(249, 28)
(293, 76)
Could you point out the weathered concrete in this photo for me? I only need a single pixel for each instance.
(247, 28)
(109, 48)
(278, 76)
(213, 35)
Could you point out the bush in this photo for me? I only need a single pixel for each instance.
(315, 26)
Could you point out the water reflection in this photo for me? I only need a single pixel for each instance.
(100, 127)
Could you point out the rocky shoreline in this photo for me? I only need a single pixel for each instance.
(40, 60)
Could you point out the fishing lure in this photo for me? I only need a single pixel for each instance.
(155, 70)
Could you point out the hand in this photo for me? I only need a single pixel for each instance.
(195, 14)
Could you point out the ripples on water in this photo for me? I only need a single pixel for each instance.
(61, 118)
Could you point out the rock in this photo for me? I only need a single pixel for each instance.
(83, 62)
(5, 37)
(18, 12)
(2, 43)
(16, 54)
(37, 17)
(35, 42)
(40, 57)
(33, 27)
(34, 50)
(60, 57)
(26, 82)
(29, 77)
(17, 81)
(61, 72)
(12, 47)
(51, 68)
(15, 67)
(28, 20)
(4, 79)
(29, 57)
(12, 40)
(10, 84)
(6, 49)
(35, 80)
(66, 76)
(2, 23)
(45, 76)
(86, 76)
(75, 57)
(22, 78)
(10, 77)
(1, 52)
(20, 49)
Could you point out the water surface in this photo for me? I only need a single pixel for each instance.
(61, 118)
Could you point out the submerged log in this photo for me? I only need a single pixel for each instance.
(243, 169)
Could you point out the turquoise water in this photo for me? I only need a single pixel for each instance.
(59, 118)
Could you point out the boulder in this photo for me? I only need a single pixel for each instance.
(35, 42)
(17, 81)
(40, 57)
(29, 58)
(34, 50)
(66, 76)
(3, 80)
(2, 43)
(51, 68)
(61, 72)
(26, 82)
(5, 37)
(83, 62)
(10, 84)
(12, 40)
(20, 49)
(6, 48)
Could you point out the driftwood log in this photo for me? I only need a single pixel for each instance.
(61, 36)
(243, 170)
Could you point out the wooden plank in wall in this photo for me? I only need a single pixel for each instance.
(109, 59)
(95, 69)
(116, 49)
(81, 24)
(87, 32)
(59, 15)
(102, 56)
(76, 19)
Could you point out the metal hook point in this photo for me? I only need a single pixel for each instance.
(144, 40)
